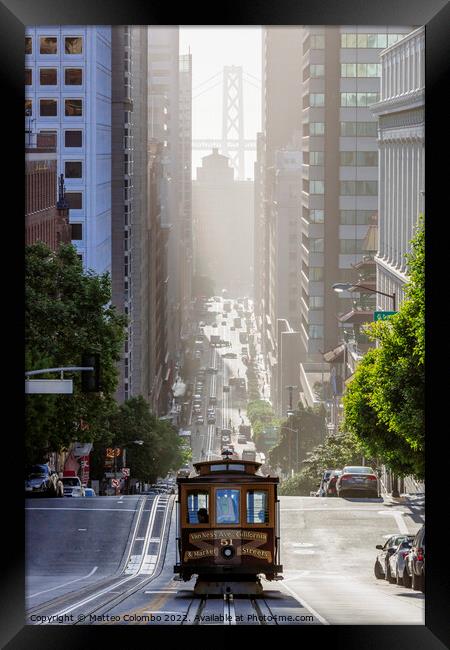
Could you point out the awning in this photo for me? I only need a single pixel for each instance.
(334, 355)
(356, 317)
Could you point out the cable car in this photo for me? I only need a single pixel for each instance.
(228, 526)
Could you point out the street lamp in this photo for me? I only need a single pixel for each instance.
(297, 431)
(346, 286)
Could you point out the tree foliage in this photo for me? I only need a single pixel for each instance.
(335, 452)
(67, 313)
(299, 433)
(161, 449)
(384, 402)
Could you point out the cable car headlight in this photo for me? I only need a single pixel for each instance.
(227, 552)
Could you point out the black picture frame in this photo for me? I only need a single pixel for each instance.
(435, 15)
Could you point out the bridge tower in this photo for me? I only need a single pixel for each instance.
(233, 119)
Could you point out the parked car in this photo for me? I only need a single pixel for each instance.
(225, 437)
(214, 325)
(357, 479)
(212, 400)
(321, 492)
(397, 561)
(199, 419)
(229, 355)
(211, 371)
(242, 440)
(331, 484)
(72, 486)
(389, 547)
(211, 418)
(89, 492)
(414, 573)
(43, 481)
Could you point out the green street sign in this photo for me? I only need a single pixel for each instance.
(382, 315)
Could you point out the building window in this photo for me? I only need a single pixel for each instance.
(316, 128)
(48, 45)
(73, 107)
(28, 45)
(72, 169)
(75, 200)
(28, 77)
(358, 188)
(359, 99)
(363, 129)
(317, 70)
(361, 158)
(317, 99)
(351, 246)
(73, 76)
(73, 45)
(48, 76)
(315, 273)
(316, 245)
(316, 216)
(28, 107)
(370, 40)
(316, 187)
(48, 107)
(77, 231)
(316, 331)
(317, 41)
(356, 217)
(360, 69)
(73, 138)
(316, 302)
(316, 158)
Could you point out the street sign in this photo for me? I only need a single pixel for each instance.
(125, 471)
(115, 482)
(382, 315)
(49, 386)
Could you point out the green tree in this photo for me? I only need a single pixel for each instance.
(67, 313)
(300, 432)
(161, 449)
(389, 384)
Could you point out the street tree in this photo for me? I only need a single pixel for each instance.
(389, 383)
(67, 313)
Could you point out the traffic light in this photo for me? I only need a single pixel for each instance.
(90, 379)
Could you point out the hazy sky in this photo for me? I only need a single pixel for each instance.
(212, 48)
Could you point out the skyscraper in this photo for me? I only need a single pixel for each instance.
(68, 100)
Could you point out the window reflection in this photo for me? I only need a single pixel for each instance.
(227, 506)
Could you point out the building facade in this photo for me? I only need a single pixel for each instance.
(46, 219)
(223, 214)
(341, 73)
(68, 99)
(401, 138)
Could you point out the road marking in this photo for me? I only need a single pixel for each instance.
(89, 509)
(398, 516)
(162, 591)
(303, 601)
(82, 529)
(64, 584)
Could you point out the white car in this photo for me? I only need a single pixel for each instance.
(72, 486)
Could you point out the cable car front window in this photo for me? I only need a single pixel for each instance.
(197, 501)
(227, 506)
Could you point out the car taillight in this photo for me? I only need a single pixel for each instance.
(420, 554)
(372, 478)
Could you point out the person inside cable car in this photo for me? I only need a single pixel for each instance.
(202, 516)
